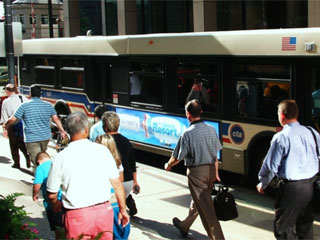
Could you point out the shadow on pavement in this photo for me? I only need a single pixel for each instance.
(164, 230)
(5, 160)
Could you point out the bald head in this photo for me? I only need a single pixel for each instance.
(10, 89)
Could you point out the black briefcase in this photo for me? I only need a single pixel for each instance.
(224, 203)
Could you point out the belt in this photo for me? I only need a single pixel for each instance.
(291, 181)
(192, 166)
(66, 209)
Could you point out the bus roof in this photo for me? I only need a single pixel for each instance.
(283, 42)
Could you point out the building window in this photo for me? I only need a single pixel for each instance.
(21, 19)
(44, 19)
(162, 16)
(111, 17)
(35, 19)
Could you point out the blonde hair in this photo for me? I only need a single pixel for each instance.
(108, 141)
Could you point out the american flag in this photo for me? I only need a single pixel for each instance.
(289, 43)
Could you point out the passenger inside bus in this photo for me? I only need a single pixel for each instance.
(135, 87)
(198, 91)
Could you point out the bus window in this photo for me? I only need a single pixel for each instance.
(198, 80)
(147, 82)
(72, 73)
(260, 88)
(101, 80)
(315, 94)
(44, 71)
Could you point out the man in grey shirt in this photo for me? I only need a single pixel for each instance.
(198, 146)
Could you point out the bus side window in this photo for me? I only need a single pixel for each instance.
(72, 73)
(260, 88)
(146, 82)
(315, 95)
(198, 80)
(45, 71)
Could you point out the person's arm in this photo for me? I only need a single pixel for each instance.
(59, 125)
(271, 163)
(55, 203)
(35, 192)
(11, 121)
(121, 177)
(121, 199)
(217, 170)
(172, 162)
(133, 166)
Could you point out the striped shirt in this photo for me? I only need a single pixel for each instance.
(198, 145)
(36, 115)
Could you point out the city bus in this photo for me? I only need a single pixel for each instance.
(147, 79)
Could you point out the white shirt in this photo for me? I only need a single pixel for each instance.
(10, 105)
(83, 171)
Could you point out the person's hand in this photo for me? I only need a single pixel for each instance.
(123, 218)
(136, 188)
(57, 207)
(35, 198)
(167, 168)
(64, 134)
(218, 179)
(5, 132)
(259, 188)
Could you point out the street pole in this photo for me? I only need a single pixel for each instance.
(9, 39)
(50, 18)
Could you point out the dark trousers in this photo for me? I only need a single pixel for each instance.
(200, 182)
(16, 142)
(294, 210)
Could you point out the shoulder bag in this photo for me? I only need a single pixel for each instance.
(316, 184)
(224, 203)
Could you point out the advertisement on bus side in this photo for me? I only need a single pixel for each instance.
(152, 128)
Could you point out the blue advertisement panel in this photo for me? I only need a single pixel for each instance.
(152, 128)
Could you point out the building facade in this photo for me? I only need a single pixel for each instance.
(120, 17)
(34, 17)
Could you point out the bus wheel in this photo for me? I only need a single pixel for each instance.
(256, 158)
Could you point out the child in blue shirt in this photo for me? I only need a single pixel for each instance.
(40, 182)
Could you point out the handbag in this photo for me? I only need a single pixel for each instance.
(224, 203)
(316, 184)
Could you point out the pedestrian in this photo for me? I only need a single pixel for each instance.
(97, 129)
(119, 232)
(15, 131)
(85, 171)
(292, 158)
(111, 123)
(40, 183)
(198, 146)
(36, 115)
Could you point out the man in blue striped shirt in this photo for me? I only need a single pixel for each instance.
(292, 157)
(36, 115)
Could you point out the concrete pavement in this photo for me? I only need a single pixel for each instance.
(163, 196)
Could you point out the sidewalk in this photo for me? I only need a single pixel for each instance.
(164, 195)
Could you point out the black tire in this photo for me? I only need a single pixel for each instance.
(256, 158)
